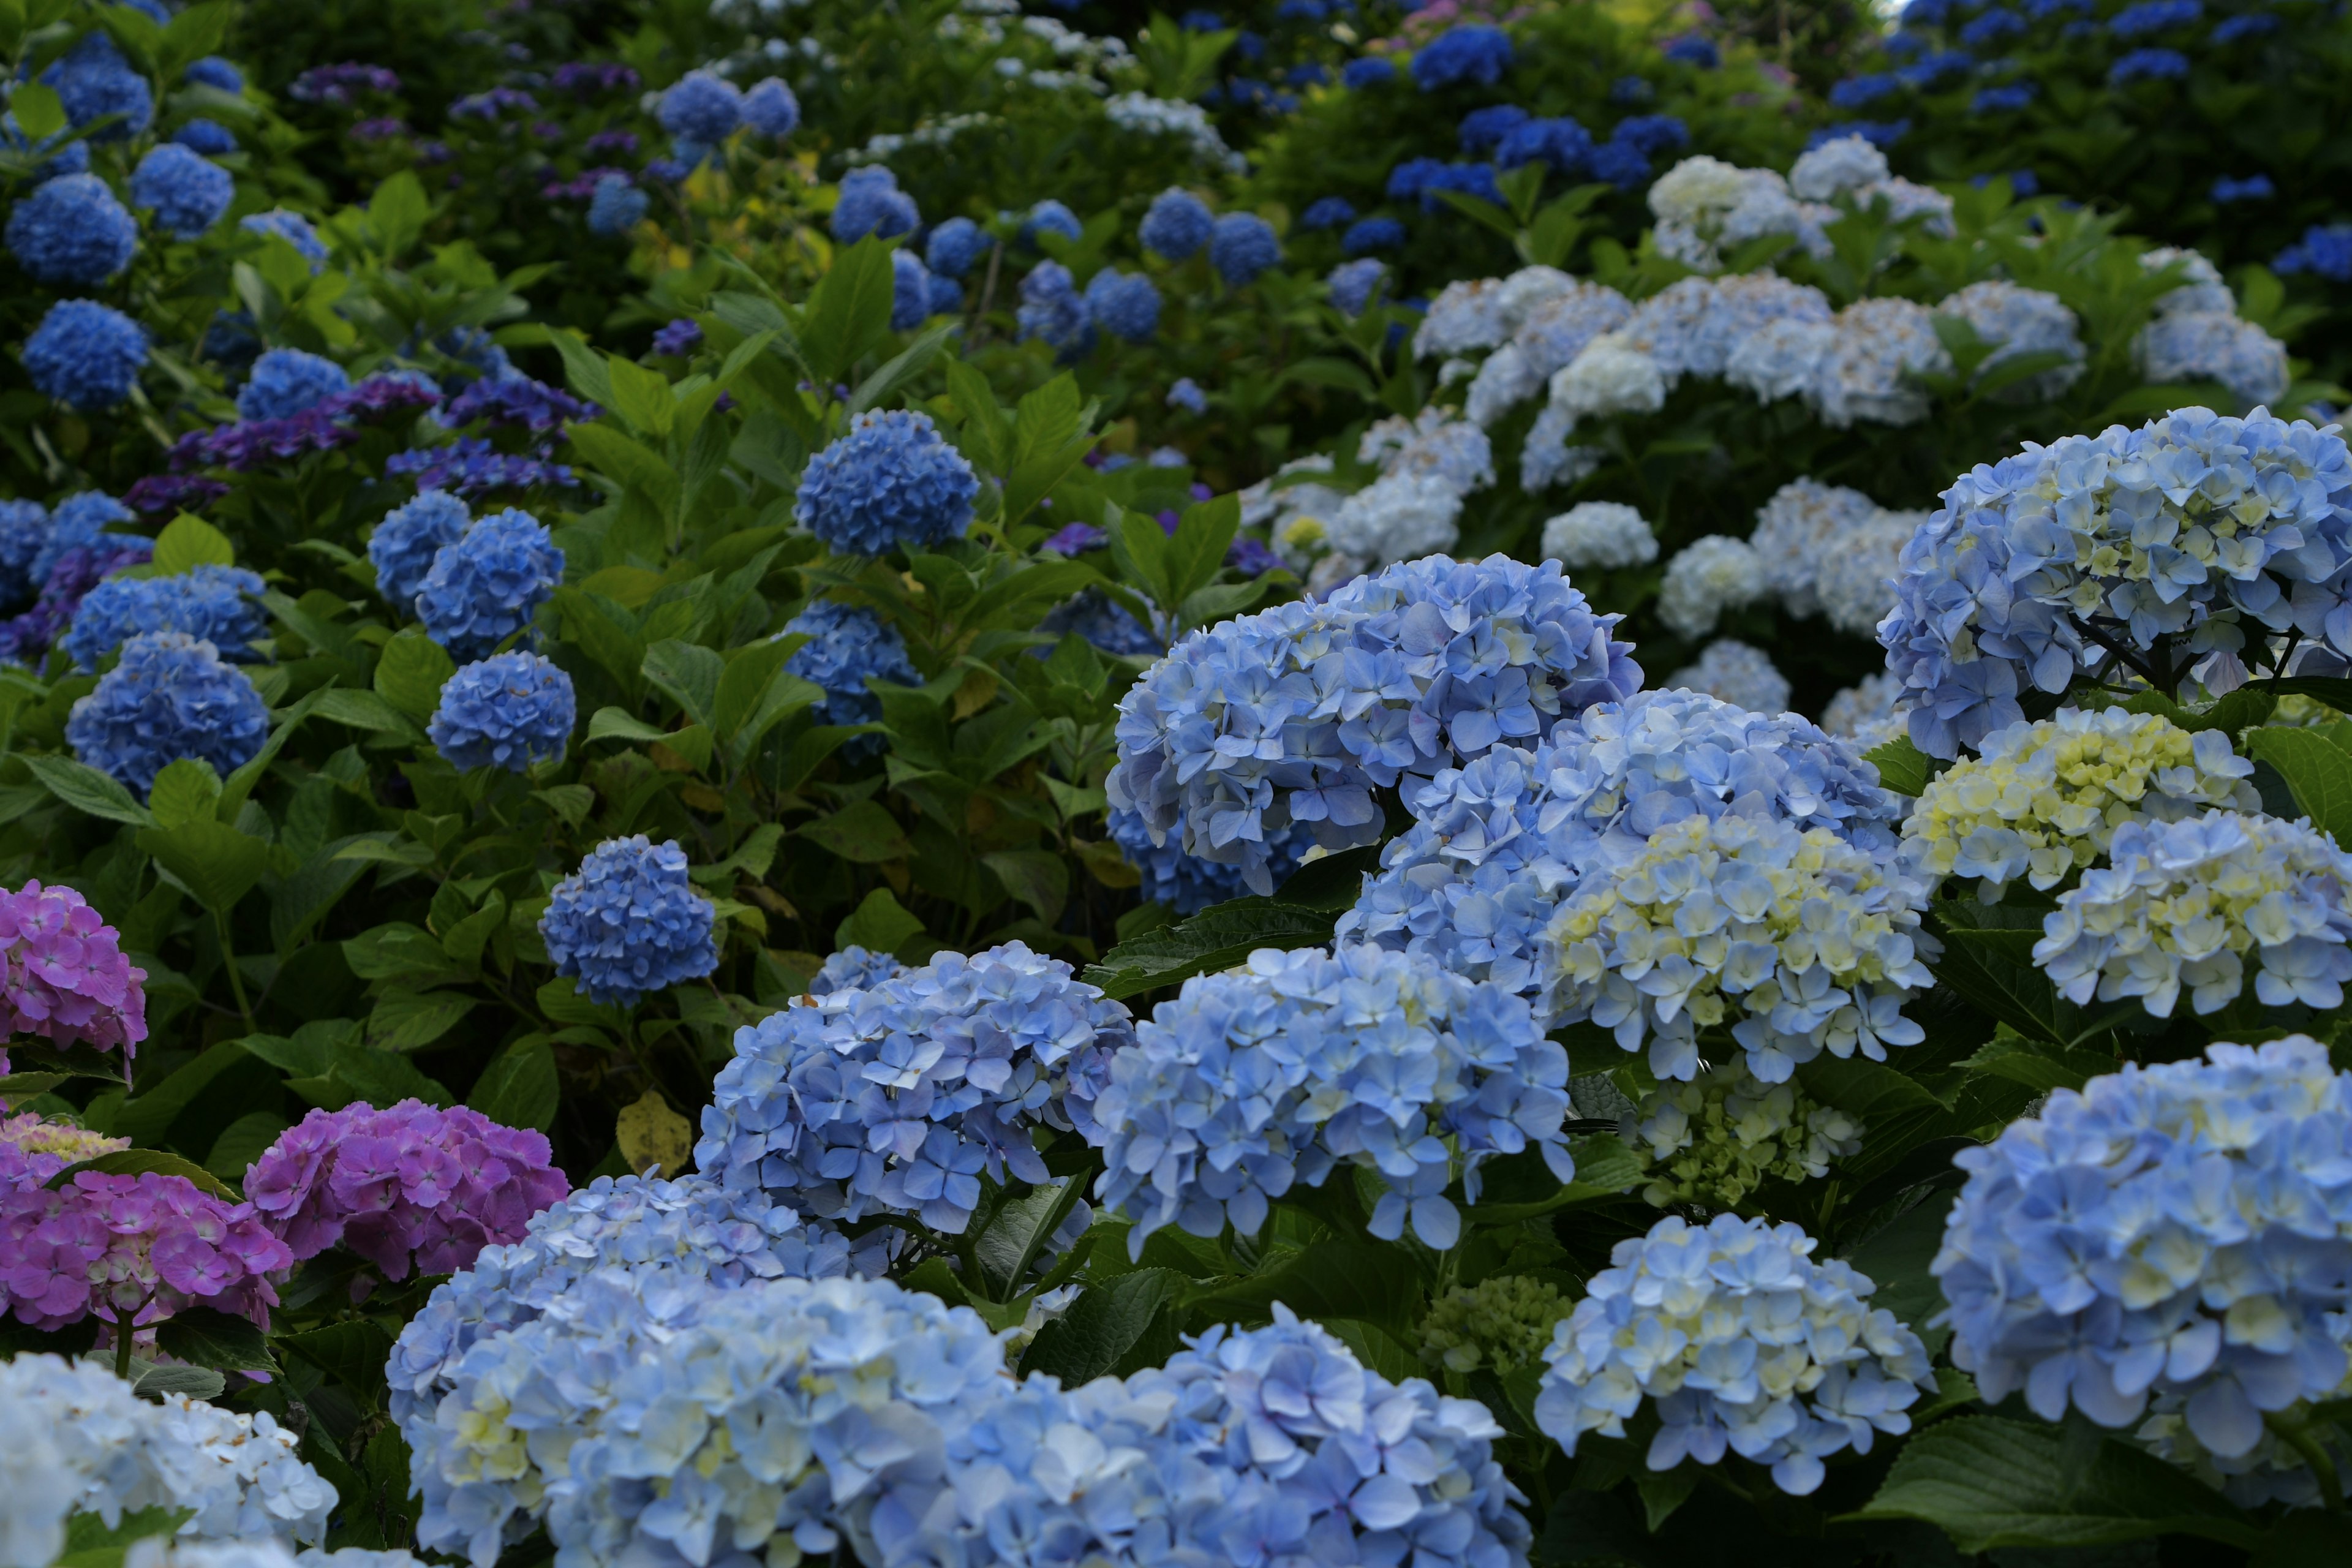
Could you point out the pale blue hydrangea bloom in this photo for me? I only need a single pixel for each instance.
(211, 603)
(897, 1097)
(2179, 1232)
(2199, 903)
(854, 968)
(1745, 1344)
(402, 547)
(487, 586)
(1298, 715)
(1282, 1071)
(1186, 883)
(2199, 535)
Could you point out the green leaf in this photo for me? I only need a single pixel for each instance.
(1196, 551)
(352, 1354)
(187, 542)
(1904, 767)
(203, 1337)
(365, 710)
(688, 674)
(185, 790)
(146, 1162)
(1216, 938)
(848, 313)
(1988, 1483)
(213, 861)
(1038, 878)
(39, 113)
(1376, 1281)
(1375, 1347)
(398, 212)
(1095, 1337)
(91, 1543)
(864, 832)
(395, 949)
(1990, 965)
(382, 1078)
(243, 1141)
(880, 923)
(1895, 1257)
(2316, 770)
(519, 1088)
(693, 743)
(584, 367)
(147, 1116)
(1015, 1234)
(1521, 1187)
(410, 1020)
(86, 789)
(744, 684)
(411, 673)
(2039, 1064)
(901, 368)
(195, 1381)
(641, 397)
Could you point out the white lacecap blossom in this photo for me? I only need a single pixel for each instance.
(1546, 459)
(1708, 576)
(1610, 376)
(2020, 321)
(259, 1552)
(1693, 327)
(1704, 208)
(1263, 500)
(1736, 672)
(1835, 167)
(1399, 517)
(1600, 533)
(1863, 375)
(1856, 583)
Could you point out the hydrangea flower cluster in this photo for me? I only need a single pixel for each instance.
(1705, 207)
(1806, 525)
(848, 646)
(2194, 537)
(1280, 1072)
(891, 481)
(1549, 319)
(210, 602)
(86, 355)
(689, 1229)
(1505, 1322)
(809, 1394)
(1296, 714)
(33, 1148)
(1176, 226)
(2044, 799)
(1717, 1138)
(2193, 346)
(1605, 534)
(1705, 578)
(412, 1185)
(67, 978)
(169, 697)
(77, 1441)
(487, 586)
(71, 231)
(133, 1250)
(895, 1099)
(628, 923)
(2200, 902)
(2176, 1232)
(285, 381)
(2019, 321)
(511, 710)
(1241, 247)
(854, 968)
(1187, 883)
(1746, 1344)
(1738, 673)
(872, 204)
(1268, 1445)
(1797, 940)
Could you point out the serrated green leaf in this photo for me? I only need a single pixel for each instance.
(411, 673)
(187, 542)
(201, 1336)
(1377, 1282)
(353, 1353)
(880, 923)
(864, 832)
(1038, 878)
(2316, 770)
(405, 1021)
(366, 710)
(87, 790)
(1103, 1326)
(185, 790)
(1216, 938)
(520, 1088)
(1904, 767)
(195, 1381)
(848, 313)
(688, 674)
(217, 864)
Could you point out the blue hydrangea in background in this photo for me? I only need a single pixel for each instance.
(1124, 304)
(848, 645)
(1479, 55)
(678, 338)
(287, 381)
(1050, 217)
(891, 481)
(210, 602)
(702, 107)
(1352, 284)
(171, 697)
(854, 968)
(1186, 883)
(187, 193)
(910, 295)
(2325, 250)
(1102, 621)
(1242, 246)
(93, 80)
(86, 355)
(508, 712)
(954, 247)
(1053, 311)
(208, 137)
(1327, 211)
(406, 541)
(70, 231)
(1370, 70)
(872, 203)
(771, 109)
(2149, 65)
(615, 206)
(1300, 1063)
(72, 158)
(628, 923)
(1372, 234)
(897, 1099)
(219, 74)
(293, 228)
(78, 520)
(486, 588)
(24, 526)
(1176, 226)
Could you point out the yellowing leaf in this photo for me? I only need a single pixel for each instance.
(651, 1135)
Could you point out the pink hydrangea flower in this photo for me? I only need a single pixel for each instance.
(33, 1148)
(131, 1249)
(410, 1186)
(65, 977)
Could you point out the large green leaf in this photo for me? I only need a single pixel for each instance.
(864, 832)
(520, 1088)
(217, 864)
(2317, 770)
(353, 1353)
(1216, 938)
(91, 1543)
(848, 313)
(1988, 959)
(412, 672)
(689, 675)
(1102, 1328)
(1902, 766)
(1991, 1482)
(1378, 1282)
(202, 1337)
(2038, 1064)
(880, 923)
(86, 789)
(411, 1020)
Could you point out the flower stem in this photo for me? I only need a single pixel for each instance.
(2298, 1436)
(236, 979)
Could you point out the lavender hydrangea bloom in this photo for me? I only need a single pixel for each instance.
(487, 586)
(187, 193)
(210, 602)
(71, 231)
(171, 697)
(896, 1099)
(892, 480)
(628, 922)
(285, 381)
(402, 547)
(78, 520)
(86, 355)
(511, 710)
(133, 1250)
(1299, 713)
(69, 981)
(2177, 1232)
(2195, 540)
(1281, 1072)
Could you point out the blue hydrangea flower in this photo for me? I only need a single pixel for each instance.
(628, 923)
(2006, 100)
(72, 157)
(2245, 25)
(702, 107)
(171, 697)
(1124, 304)
(771, 109)
(2153, 16)
(2194, 538)
(2149, 65)
(285, 381)
(1352, 283)
(892, 481)
(78, 520)
(71, 230)
(849, 644)
(872, 203)
(1656, 135)
(1371, 234)
(1185, 392)
(1327, 211)
(1186, 883)
(1474, 54)
(409, 537)
(486, 588)
(1095, 616)
(947, 296)
(2325, 250)
(1242, 246)
(293, 228)
(1176, 225)
(2179, 1232)
(2253, 188)
(1050, 217)
(24, 527)
(910, 296)
(508, 712)
(1620, 163)
(1284, 1070)
(208, 137)
(1299, 713)
(1743, 1342)
(854, 968)
(1371, 70)
(211, 603)
(615, 206)
(897, 1099)
(1563, 145)
(955, 247)
(220, 75)
(1482, 128)
(187, 193)
(86, 355)
(1993, 28)
(1860, 91)
(93, 80)
(1054, 312)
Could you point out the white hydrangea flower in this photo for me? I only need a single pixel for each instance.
(1710, 575)
(1705, 207)
(1906, 200)
(1401, 516)
(1599, 533)
(1435, 444)
(1692, 327)
(1846, 163)
(1610, 376)
(1780, 359)
(1264, 501)
(2210, 345)
(1864, 712)
(2021, 322)
(1547, 459)
(1546, 336)
(2204, 292)
(1171, 117)
(1797, 529)
(1863, 374)
(1467, 315)
(1857, 580)
(1734, 672)
(1528, 287)
(1503, 382)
